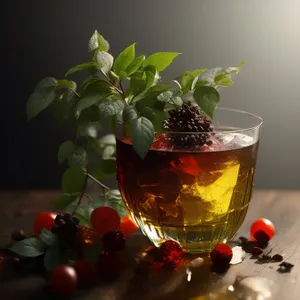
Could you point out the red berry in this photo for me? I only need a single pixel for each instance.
(86, 271)
(105, 219)
(171, 253)
(43, 220)
(264, 225)
(221, 255)
(128, 226)
(64, 280)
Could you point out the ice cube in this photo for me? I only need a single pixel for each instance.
(236, 141)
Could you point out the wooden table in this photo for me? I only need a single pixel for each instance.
(282, 207)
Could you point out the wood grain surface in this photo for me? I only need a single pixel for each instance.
(282, 207)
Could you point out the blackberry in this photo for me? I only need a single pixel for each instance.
(113, 241)
(188, 119)
(66, 227)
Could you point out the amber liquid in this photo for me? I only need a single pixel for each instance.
(198, 199)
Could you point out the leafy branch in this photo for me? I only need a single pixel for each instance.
(101, 97)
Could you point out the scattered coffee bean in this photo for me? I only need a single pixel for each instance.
(266, 257)
(243, 240)
(277, 257)
(286, 265)
(256, 250)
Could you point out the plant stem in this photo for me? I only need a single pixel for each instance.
(75, 93)
(86, 195)
(98, 182)
(81, 194)
(105, 198)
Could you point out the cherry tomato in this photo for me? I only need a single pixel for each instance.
(105, 219)
(86, 271)
(128, 226)
(43, 220)
(264, 225)
(64, 280)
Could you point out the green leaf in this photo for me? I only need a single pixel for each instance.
(188, 79)
(150, 98)
(148, 79)
(62, 108)
(171, 97)
(135, 64)
(66, 84)
(65, 150)
(73, 180)
(62, 201)
(185, 81)
(223, 80)
(114, 78)
(77, 158)
(84, 220)
(89, 129)
(108, 139)
(207, 98)
(129, 114)
(105, 61)
(54, 258)
(47, 237)
(114, 200)
(89, 66)
(30, 247)
(138, 82)
(160, 60)
(97, 42)
(106, 170)
(110, 107)
(155, 116)
(124, 59)
(90, 114)
(90, 81)
(198, 72)
(42, 97)
(142, 133)
(94, 94)
(108, 152)
(92, 254)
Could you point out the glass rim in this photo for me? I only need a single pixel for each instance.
(258, 118)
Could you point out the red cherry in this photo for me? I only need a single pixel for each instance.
(221, 255)
(63, 280)
(264, 225)
(43, 220)
(105, 219)
(128, 226)
(85, 271)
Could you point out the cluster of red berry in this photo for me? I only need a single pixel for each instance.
(108, 230)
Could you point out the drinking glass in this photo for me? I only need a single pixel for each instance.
(196, 196)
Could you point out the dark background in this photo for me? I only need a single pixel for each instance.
(45, 38)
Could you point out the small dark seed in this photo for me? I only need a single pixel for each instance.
(243, 239)
(286, 265)
(256, 250)
(266, 257)
(277, 257)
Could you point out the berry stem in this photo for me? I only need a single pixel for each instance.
(105, 198)
(97, 181)
(82, 193)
